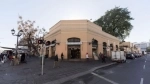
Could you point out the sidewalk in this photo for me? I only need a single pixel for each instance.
(29, 73)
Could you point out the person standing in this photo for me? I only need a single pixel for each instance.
(102, 57)
(55, 61)
(62, 56)
(12, 59)
(87, 57)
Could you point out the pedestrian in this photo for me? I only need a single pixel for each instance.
(62, 56)
(56, 61)
(4, 58)
(99, 55)
(102, 57)
(12, 59)
(87, 57)
(1, 57)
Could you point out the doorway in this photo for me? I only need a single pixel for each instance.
(105, 48)
(53, 51)
(95, 47)
(74, 52)
(47, 52)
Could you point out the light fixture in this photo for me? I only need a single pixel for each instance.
(13, 31)
(92, 41)
(57, 43)
(20, 32)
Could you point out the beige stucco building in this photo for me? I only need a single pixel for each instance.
(129, 47)
(75, 38)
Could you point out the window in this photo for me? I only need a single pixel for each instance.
(74, 40)
(95, 42)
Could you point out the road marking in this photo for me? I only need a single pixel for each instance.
(141, 81)
(144, 67)
(112, 82)
(145, 61)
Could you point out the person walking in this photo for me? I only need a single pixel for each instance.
(55, 61)
(99, 57)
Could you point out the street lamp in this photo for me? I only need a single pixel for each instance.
(20, 32)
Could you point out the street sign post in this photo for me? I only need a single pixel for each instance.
(42, 55)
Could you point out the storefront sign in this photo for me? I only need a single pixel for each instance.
(52, 44)
(94, 47)
(74, 43)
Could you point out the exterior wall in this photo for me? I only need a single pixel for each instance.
(76, 29)
(83, 29)
(56, 35)
(96, 32)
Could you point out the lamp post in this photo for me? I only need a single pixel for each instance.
(18, 35)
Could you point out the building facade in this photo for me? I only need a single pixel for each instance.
(75, 38)
(129, 47)
(142, 46)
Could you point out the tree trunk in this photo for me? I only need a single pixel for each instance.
(35, 49)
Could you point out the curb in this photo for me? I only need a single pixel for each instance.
(62, 80)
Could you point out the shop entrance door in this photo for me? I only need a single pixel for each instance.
(53, 50)
(74, 52)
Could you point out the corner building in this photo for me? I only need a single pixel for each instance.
(75, 38)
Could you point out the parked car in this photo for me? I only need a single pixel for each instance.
(130, 56)
(136, 55)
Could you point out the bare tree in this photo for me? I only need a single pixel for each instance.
(30, 34)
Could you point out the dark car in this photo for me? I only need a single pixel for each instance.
(130, 56)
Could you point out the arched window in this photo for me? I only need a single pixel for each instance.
(104, 45)
(111, 47)
(74, 39)
(95, 42)
(116, 47)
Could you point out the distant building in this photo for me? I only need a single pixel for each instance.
(129, 47)
(142, 45)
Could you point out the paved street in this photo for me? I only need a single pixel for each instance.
(29, 73)
(133, 72)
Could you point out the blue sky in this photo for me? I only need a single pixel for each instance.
(48, 12)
